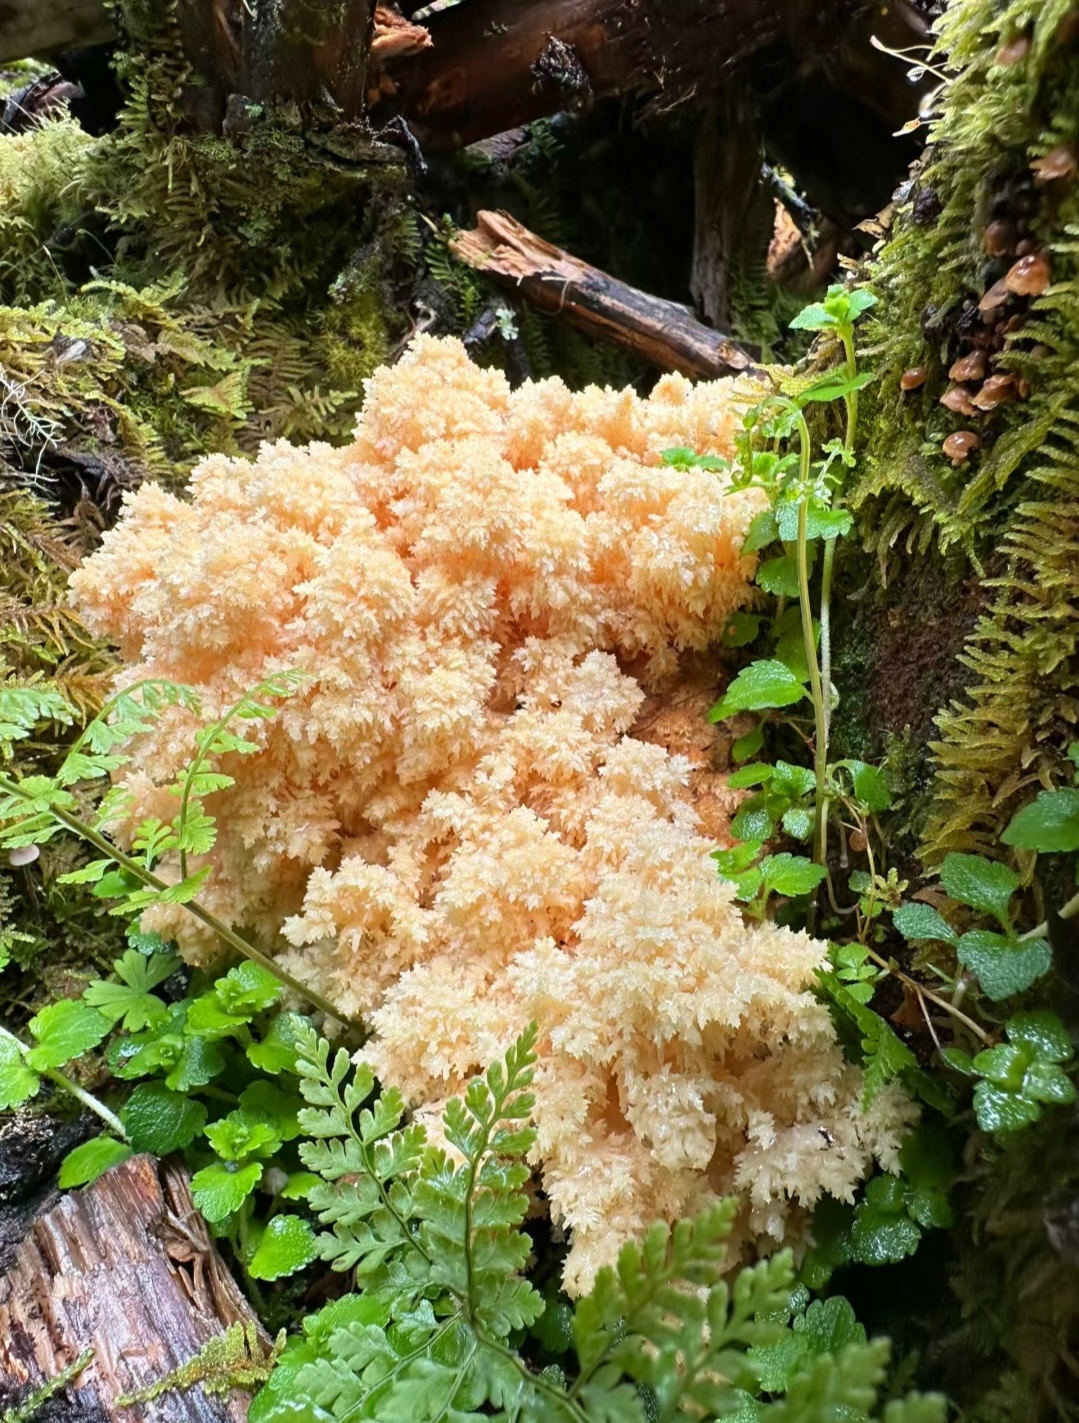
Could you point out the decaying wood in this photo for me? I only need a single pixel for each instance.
(732, 211)
(312, 53)
(662, 332)
(126, 1267)
(485, 70)
(309, 51)
(43, 26)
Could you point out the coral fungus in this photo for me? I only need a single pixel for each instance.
(451, 826)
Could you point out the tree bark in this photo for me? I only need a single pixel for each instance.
(43, 26)
(126, 1267)
(484, 72)
(312, 53)
(733, 209)
(662, 332)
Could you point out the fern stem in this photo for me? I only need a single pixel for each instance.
(61, 1080)
(828, 568)
(150, 880)
(924, 992)
(537, 1381)
(351, 1414)
(820, 749)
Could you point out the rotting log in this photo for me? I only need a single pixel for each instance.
(733, 209)
(30, 27)
(661, 332)
(485, 72)
(490, 65)
(311, 53)
(125, 1267)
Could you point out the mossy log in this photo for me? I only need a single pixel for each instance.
(661, 332)
(125, 1267)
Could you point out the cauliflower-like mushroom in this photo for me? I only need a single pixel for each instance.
(452, 828)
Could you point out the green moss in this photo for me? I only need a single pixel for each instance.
(1012, 508)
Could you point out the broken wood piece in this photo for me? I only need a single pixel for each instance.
(661, 332)
(125, 1267)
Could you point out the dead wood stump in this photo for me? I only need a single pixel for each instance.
(125, 1267)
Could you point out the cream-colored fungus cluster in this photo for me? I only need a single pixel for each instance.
(450, 828)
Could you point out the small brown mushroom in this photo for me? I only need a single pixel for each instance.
(1013, 51)
(996, 296)
(1030, 276)
(958, 446)
(970, 367)
(1027, 245)
(912, 379)
(1059, 162)
(957, 398)
(1040, 352)
(999, 238)
(996, 391)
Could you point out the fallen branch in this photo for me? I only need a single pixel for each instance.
(125, 1268)
(661, 332)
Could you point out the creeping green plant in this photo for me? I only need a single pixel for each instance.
(214, 1076)
(36, 808)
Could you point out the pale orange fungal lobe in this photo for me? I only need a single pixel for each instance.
(452, 829)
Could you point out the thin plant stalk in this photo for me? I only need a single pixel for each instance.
(204, 916)
(828, 568)
(88, 1100)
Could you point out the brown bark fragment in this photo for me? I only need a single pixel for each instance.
(661, 332)
(126, 1267)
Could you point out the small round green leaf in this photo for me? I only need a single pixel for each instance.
(999, 1110)
(748, 745)
(18, 1083)
(161, 1121)
(753, 822)
(222, 1187)
(779, 576)
(287, 1245)
(299, 1185)
(760, 685)
(798, 823)
(91, 1160)
(741, 629)
(791, 874)
(921, 921)
(983, 884)
(199, 1061)
(1003, 966)
(278, 1049)
(1050, 824)
(64, 1031)
(1043, 1033)
(880, 1238)
(1045, 1082)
